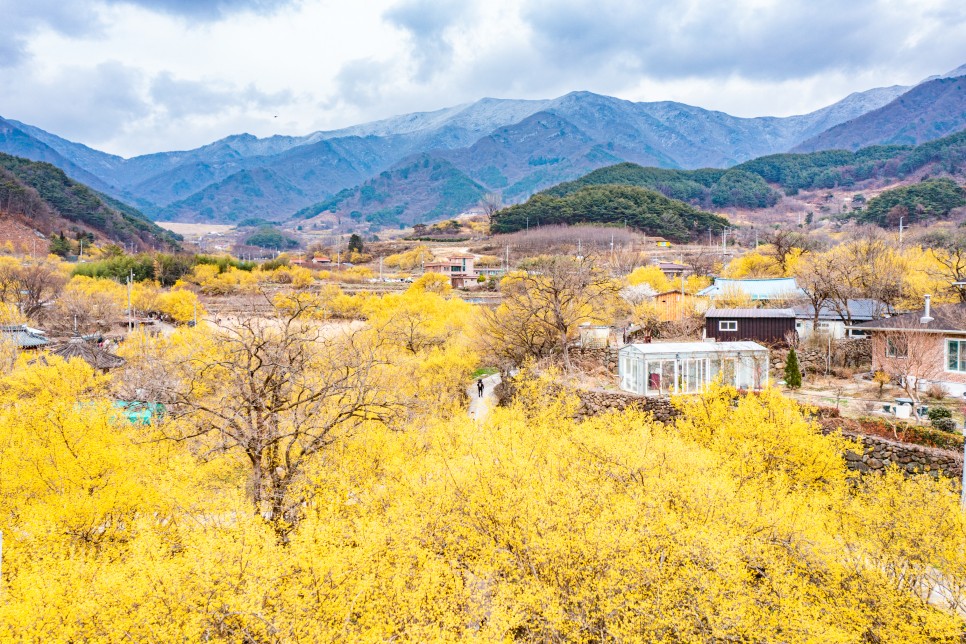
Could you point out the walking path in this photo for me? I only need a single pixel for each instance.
(480, 406)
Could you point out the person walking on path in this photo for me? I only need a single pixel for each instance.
(479, 387)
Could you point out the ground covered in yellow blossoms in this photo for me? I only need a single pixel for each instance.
(739, 523)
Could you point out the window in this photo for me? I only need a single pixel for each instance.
(823, 326)
(728, 325)
(896, 348)
(956, 355)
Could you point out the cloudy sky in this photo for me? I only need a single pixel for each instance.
(138, 76)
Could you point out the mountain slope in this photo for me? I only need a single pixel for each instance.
(47, 200)
(751, 184)
(235, 198)
(929, 111)
(17, 141)
(504, 145)
(435, 189)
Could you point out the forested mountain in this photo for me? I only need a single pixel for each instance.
(709, 187)
(918, 202)
(755, 183)
(434, 188)
(639, 208)
(46, 199)
(928, 111)
(509, 146)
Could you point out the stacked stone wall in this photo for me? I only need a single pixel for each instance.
(877, 453)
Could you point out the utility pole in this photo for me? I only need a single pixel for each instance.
(612, 249)
(130, 288)
(900, 232)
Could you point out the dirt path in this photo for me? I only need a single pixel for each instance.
(480, 406)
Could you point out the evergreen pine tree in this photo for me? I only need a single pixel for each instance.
(355, 243)
(793, 373)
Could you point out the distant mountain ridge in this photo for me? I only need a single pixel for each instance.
(930, 110)
(507, 146)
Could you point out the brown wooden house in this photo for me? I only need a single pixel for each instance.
(769, 326)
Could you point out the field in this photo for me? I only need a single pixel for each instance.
(194, 230)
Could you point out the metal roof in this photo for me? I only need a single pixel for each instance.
(861, 309)
(758, 289)
(947, 318)
(750, 313)
(24, 337)
(654, 348)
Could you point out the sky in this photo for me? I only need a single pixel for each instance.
(138, 76)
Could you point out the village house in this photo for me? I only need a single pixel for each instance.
(672, 270)
(23, 337)
(926, 347)
(674, 305)
(90, 352)
(835, 323)
(771, 326)
(458, 267)
(689, 367)
(765, 289)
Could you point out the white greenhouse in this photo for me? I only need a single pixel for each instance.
(689, 367)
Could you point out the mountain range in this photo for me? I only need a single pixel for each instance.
(425, 166)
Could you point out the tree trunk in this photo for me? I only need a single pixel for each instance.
(563, 347)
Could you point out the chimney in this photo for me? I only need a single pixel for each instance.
(926, 319)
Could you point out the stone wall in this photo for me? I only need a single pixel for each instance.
(847, 352)
(597, 401)
(605, 356)
(878, 453)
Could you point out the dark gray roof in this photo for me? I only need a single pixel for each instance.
(90, 353)
(750, 313)
(23, 336)
(859, 310)
(946, 318)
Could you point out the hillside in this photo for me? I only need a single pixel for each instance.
(639, 208)
(707, 188)
(758, 183)
(915, 203)
(928, 111)
(44, 198)
(432, 189)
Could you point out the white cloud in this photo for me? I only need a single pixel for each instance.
(134, 76)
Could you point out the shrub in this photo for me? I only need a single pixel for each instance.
(793, 373)
(937, 391)
(945, 425)
(935, 413)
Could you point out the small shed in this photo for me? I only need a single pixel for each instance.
(689, 367)
(672, 305)
(772, 326)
